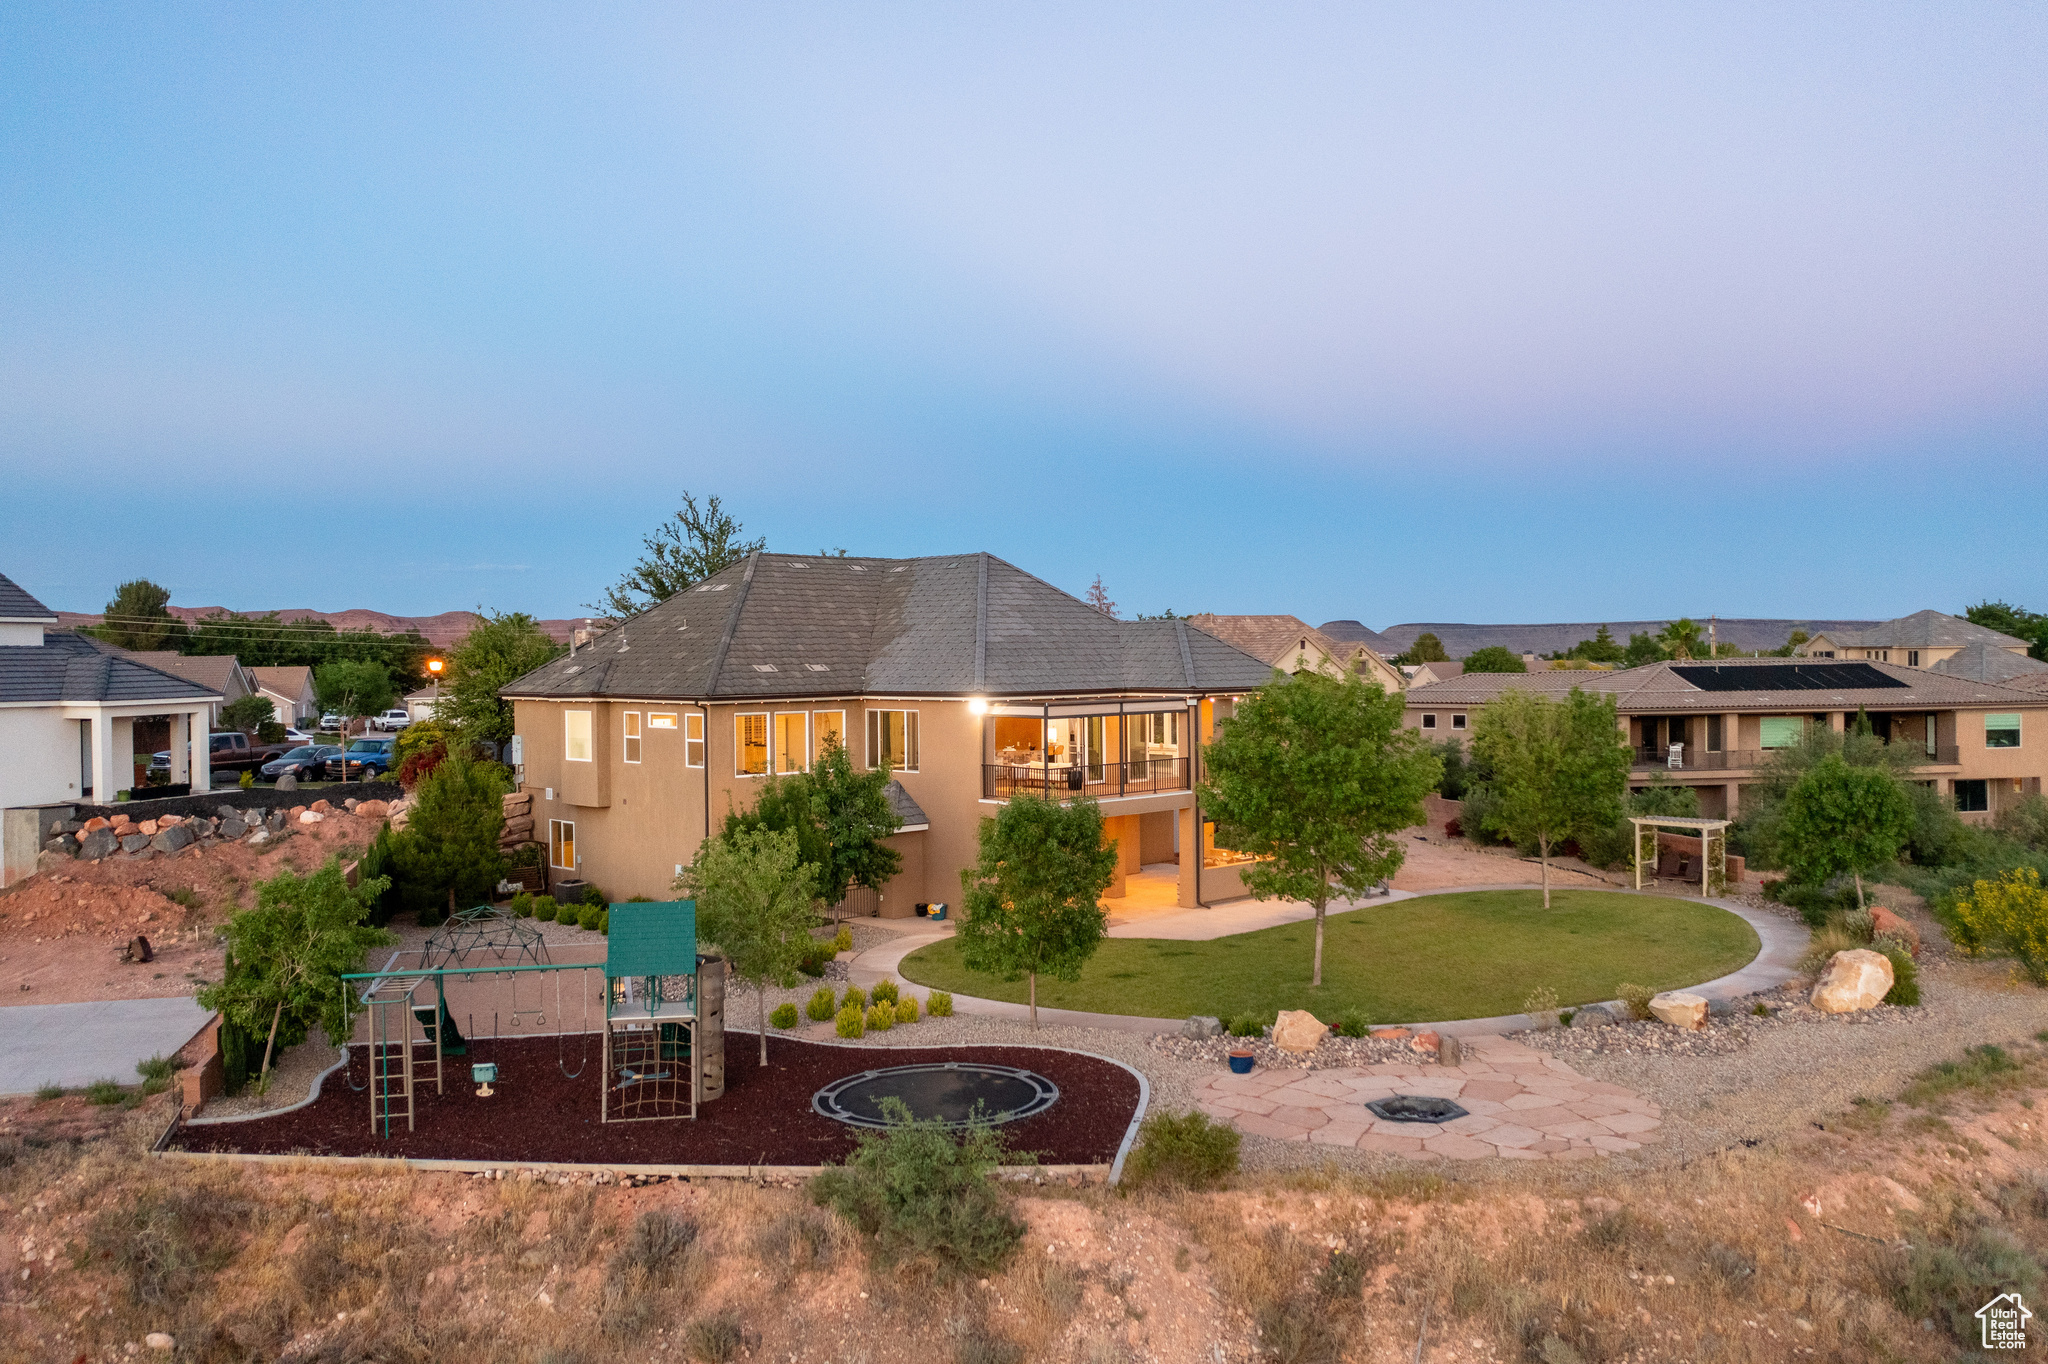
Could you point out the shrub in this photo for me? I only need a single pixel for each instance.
(47, 1092)
(657, 1244)
(715, 1339)
(544, 908)
(1454, 828)
(1811, 902)
(921, 1195)
(525, 855)
(1859, 924)
(1823, 946)
(1541, 1000)
(1948, 1277)
(587, 915)
(842, 941)
(522, 905)
(604, 922)
(881, 1017)
(167, 1244)
(1610, 847)
(593, 896)
(822, 1006)
(813, 958)
(156, 1073)
(851, 1022)
(1247, 1025)
(855, 998)
(885, 992)
(2009, 915)
(1183, 1149)
(785, 1016)
(1636, 999)
(104, 1092)
(248, 781)
(1905, 990)
(906, 1009)
(939, 1003)
(1352, 1023)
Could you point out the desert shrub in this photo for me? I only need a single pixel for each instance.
(1541, 1000)
(593, 896)
(165, 1244)
(885, 992)
(1823, 945)
(1613, 846)
(922, 1196)
(2025, 822)
(1187, 1150)
(586, 917)
(156, 1073)
(1811, 902)
(796, 1241)
(855, 997)
(2007, 915)
(785, 1016)
(842, 941)
(851, 1022)
(1950, 1274)
(822, 1006)
(716, 1338)
(881, 1017)
(1636, 999)
(906, 1009)
(1858, 924)
(105, 1092)
(544, 908)
(1905, 990)
(1352, 1023)
(939, 1003)
(1985, 1068)
(1611, 1231)
(47, 1092)
(813, 957)
(657, 1244)
(1246, 1025)
(522, 905)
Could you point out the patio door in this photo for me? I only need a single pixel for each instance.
(1093, 747)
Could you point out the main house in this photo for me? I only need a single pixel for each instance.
(1712, 724)
(967, 678)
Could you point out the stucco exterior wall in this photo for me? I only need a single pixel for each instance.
(39, 758)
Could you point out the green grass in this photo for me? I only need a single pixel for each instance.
(1470, 955)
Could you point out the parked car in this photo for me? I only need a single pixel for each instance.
(330, 723)
(391, 720)
(307, 763)
(228, 752)
(366, 758)
(298, 736)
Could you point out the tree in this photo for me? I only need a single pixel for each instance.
(1643, 649)
(1098, 598)
(498, 648)
(450, 844)
(754, 895)
(289, 952)
(1030, 902)
(1559, 770)
(270, 642)
(249, 713)
(839, 817)
(1601, 648)
(689, 547)
(2012, 620)
(1315, 775)
(1683, 638)
(353, 688)
(138, 618)
(1841, 818)
(1427, 648)
(1495, 659)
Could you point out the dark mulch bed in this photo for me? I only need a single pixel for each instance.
(764, 1118)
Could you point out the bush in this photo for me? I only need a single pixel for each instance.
(593, 896)
(785, 1016)
(851, 1022)
(587, 916)
(1636, 999)
(1182, 1149)
(906, 1009)
(104, 1092)
(544, 908)
(47, 1092)
(813, 958)
(885, 992)
(522, 906)
(604, 922)
(920, 1195)
(1905, 991)
(248, 781)
(1541, 1000)
(2008, 915)
(1812, 902)
(842, 941)
(1823, 945)
(822, 1006)
(1950, 1276)
(715, 1339)
(525, 855)
(939, 1003)
(1611, 847)
(855, 998)
(881, 1017)
(167, 1244)
(1247, 1025)
(1352, 1023)
(156, 1073)
(2025, 822)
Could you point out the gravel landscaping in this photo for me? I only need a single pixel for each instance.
(1725, 1033)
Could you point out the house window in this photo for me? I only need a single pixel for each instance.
(576, 735)
(2002, 731)
(1713, 734)
(1912, 658)
(661, 720)
(562, 844)
(631, 748)
(1782, 731)
(792, 741)
(693, 741)
(1428, 721)
(1972, 796)
(828, 727)
(1458, 721)
(892, 740)
(750, 745)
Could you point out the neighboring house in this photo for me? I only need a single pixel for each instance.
(969, 679)
(1293, 645)
(1920, 640)
(222, 674)
(290, 692)
(1712, 724)
(419, 705)
(1423, 674)
(1992, 663)
(68, 707)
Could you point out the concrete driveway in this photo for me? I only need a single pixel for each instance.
(74, 1044)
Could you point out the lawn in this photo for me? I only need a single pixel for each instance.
(1470, 955)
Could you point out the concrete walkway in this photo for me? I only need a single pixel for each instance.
(74, 1044)
(1782, 943)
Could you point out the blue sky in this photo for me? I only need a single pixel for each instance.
(1389, 312)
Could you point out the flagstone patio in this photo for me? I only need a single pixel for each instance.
(1520, 1104)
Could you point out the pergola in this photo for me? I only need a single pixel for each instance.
(1713, 835)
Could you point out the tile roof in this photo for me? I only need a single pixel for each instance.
(908, 810)
(949, 625)
(16, 604)
(76, 668)
(1462, 640)
(1921, 630)
(215, 672)
(1661, 687)
(285, 681)
(1989, 663)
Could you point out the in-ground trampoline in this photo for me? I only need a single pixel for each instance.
(954, 1093)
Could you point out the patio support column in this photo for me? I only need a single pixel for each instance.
(1734, 800)
(103, 787)
(199, 725)
(1731, 736)
(1190, 856)
(179, 741)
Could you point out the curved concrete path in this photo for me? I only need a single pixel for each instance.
(1782, 943)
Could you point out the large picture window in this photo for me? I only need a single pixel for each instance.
(576, 735)
(750, 745)
(630, 749)
(892, 740)
(693, 741)
(1782, 731)
(1973, 797)
(2002, 731)
(792, 741)
(828, 727)
(562, 844)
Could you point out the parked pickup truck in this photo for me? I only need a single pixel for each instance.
(365, 759)
(228, 752)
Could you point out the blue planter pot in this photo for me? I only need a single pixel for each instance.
(1241, 1065)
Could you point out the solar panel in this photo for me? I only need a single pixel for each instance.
(1786, 677)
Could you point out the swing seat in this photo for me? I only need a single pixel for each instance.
(635, 1078)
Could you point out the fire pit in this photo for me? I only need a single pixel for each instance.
(1415, 1108)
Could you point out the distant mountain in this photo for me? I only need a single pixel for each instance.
(443, 630)
(1462, 641)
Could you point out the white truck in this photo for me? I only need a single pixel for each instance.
(391, 720)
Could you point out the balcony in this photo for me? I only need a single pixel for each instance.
(1657, 760)
(1101, 781)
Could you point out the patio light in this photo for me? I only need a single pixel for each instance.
(977, 705)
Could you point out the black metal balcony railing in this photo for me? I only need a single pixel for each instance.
(1101, 781)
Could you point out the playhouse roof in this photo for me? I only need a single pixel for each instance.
(651, 938)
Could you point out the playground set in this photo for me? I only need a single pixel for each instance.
(654, 1011)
